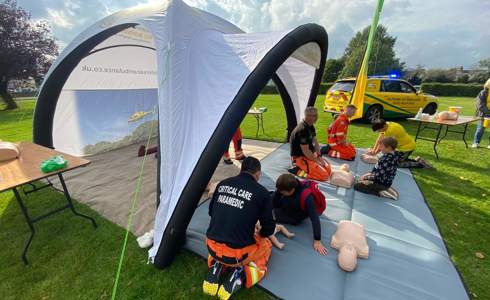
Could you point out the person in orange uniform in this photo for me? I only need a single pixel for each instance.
(338, 147)
(237, 144)
(232, 239)
(305, 150)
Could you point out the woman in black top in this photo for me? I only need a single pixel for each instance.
(482, 111)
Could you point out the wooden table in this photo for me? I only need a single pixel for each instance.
(258, 113)
(461, 121)
(26, 169)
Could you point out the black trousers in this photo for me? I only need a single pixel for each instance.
(406, 162)
(369, 187)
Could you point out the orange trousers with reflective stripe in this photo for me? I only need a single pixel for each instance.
(312, 169)
(342, 151)
(255, 263)
(237, 144)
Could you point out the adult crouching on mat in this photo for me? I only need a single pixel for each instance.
(337, 146)
(406, 144)
(237, 204)
(305, 150)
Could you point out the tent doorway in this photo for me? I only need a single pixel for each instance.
(205, 73)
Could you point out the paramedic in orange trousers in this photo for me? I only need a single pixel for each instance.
(305, 150)
(237, 204)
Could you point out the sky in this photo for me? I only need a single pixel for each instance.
(431, 33)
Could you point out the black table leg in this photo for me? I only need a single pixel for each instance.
(464, 135)
(29, 223)
(418, 131)
(262, 122)
(445, 134)
(70, 203)
(258, 125)
(437, 140)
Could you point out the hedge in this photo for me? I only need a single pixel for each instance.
(271, 89)
(451, 89)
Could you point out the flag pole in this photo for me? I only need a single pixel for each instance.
(357, 97)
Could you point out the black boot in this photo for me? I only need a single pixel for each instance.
(211, 284)
(232, 284)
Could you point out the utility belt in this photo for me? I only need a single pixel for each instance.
(305, 161)
(227, 255)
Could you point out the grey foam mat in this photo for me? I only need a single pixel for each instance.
(408, 258)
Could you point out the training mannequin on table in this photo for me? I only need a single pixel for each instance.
(447, 115)
(8, 151)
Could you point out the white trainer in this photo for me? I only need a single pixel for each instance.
(475, 145)
(146, 240)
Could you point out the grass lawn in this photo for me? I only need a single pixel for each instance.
(70, 260)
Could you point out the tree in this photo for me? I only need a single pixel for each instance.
(383, 59)
(485, 64)
(27, 48)
(439, 75)
(333, 67)
(415, 76)
(465, 78)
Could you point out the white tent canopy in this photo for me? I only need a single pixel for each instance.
(199, 73)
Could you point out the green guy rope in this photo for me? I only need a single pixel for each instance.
(138, 185)
(131, 215)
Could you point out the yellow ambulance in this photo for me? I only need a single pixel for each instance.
(385, 97)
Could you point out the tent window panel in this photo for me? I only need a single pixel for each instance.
(107, 120)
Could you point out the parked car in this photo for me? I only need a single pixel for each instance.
(385, 97)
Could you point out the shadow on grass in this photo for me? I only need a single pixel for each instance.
(465, 228)
(72, 260)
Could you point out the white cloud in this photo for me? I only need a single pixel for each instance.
(432, 33)
(59, 18)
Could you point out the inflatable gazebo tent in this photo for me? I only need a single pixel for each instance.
(192, 73)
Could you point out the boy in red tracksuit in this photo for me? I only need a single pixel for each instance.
(338, 147)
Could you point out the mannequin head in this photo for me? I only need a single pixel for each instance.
(347, 257)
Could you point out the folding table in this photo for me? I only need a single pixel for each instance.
(258, 113)
(24, 170)
(461, 121)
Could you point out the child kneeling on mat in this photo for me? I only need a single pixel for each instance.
(379, 180)
(296, 200)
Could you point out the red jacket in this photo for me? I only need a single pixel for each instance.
(337, 131)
